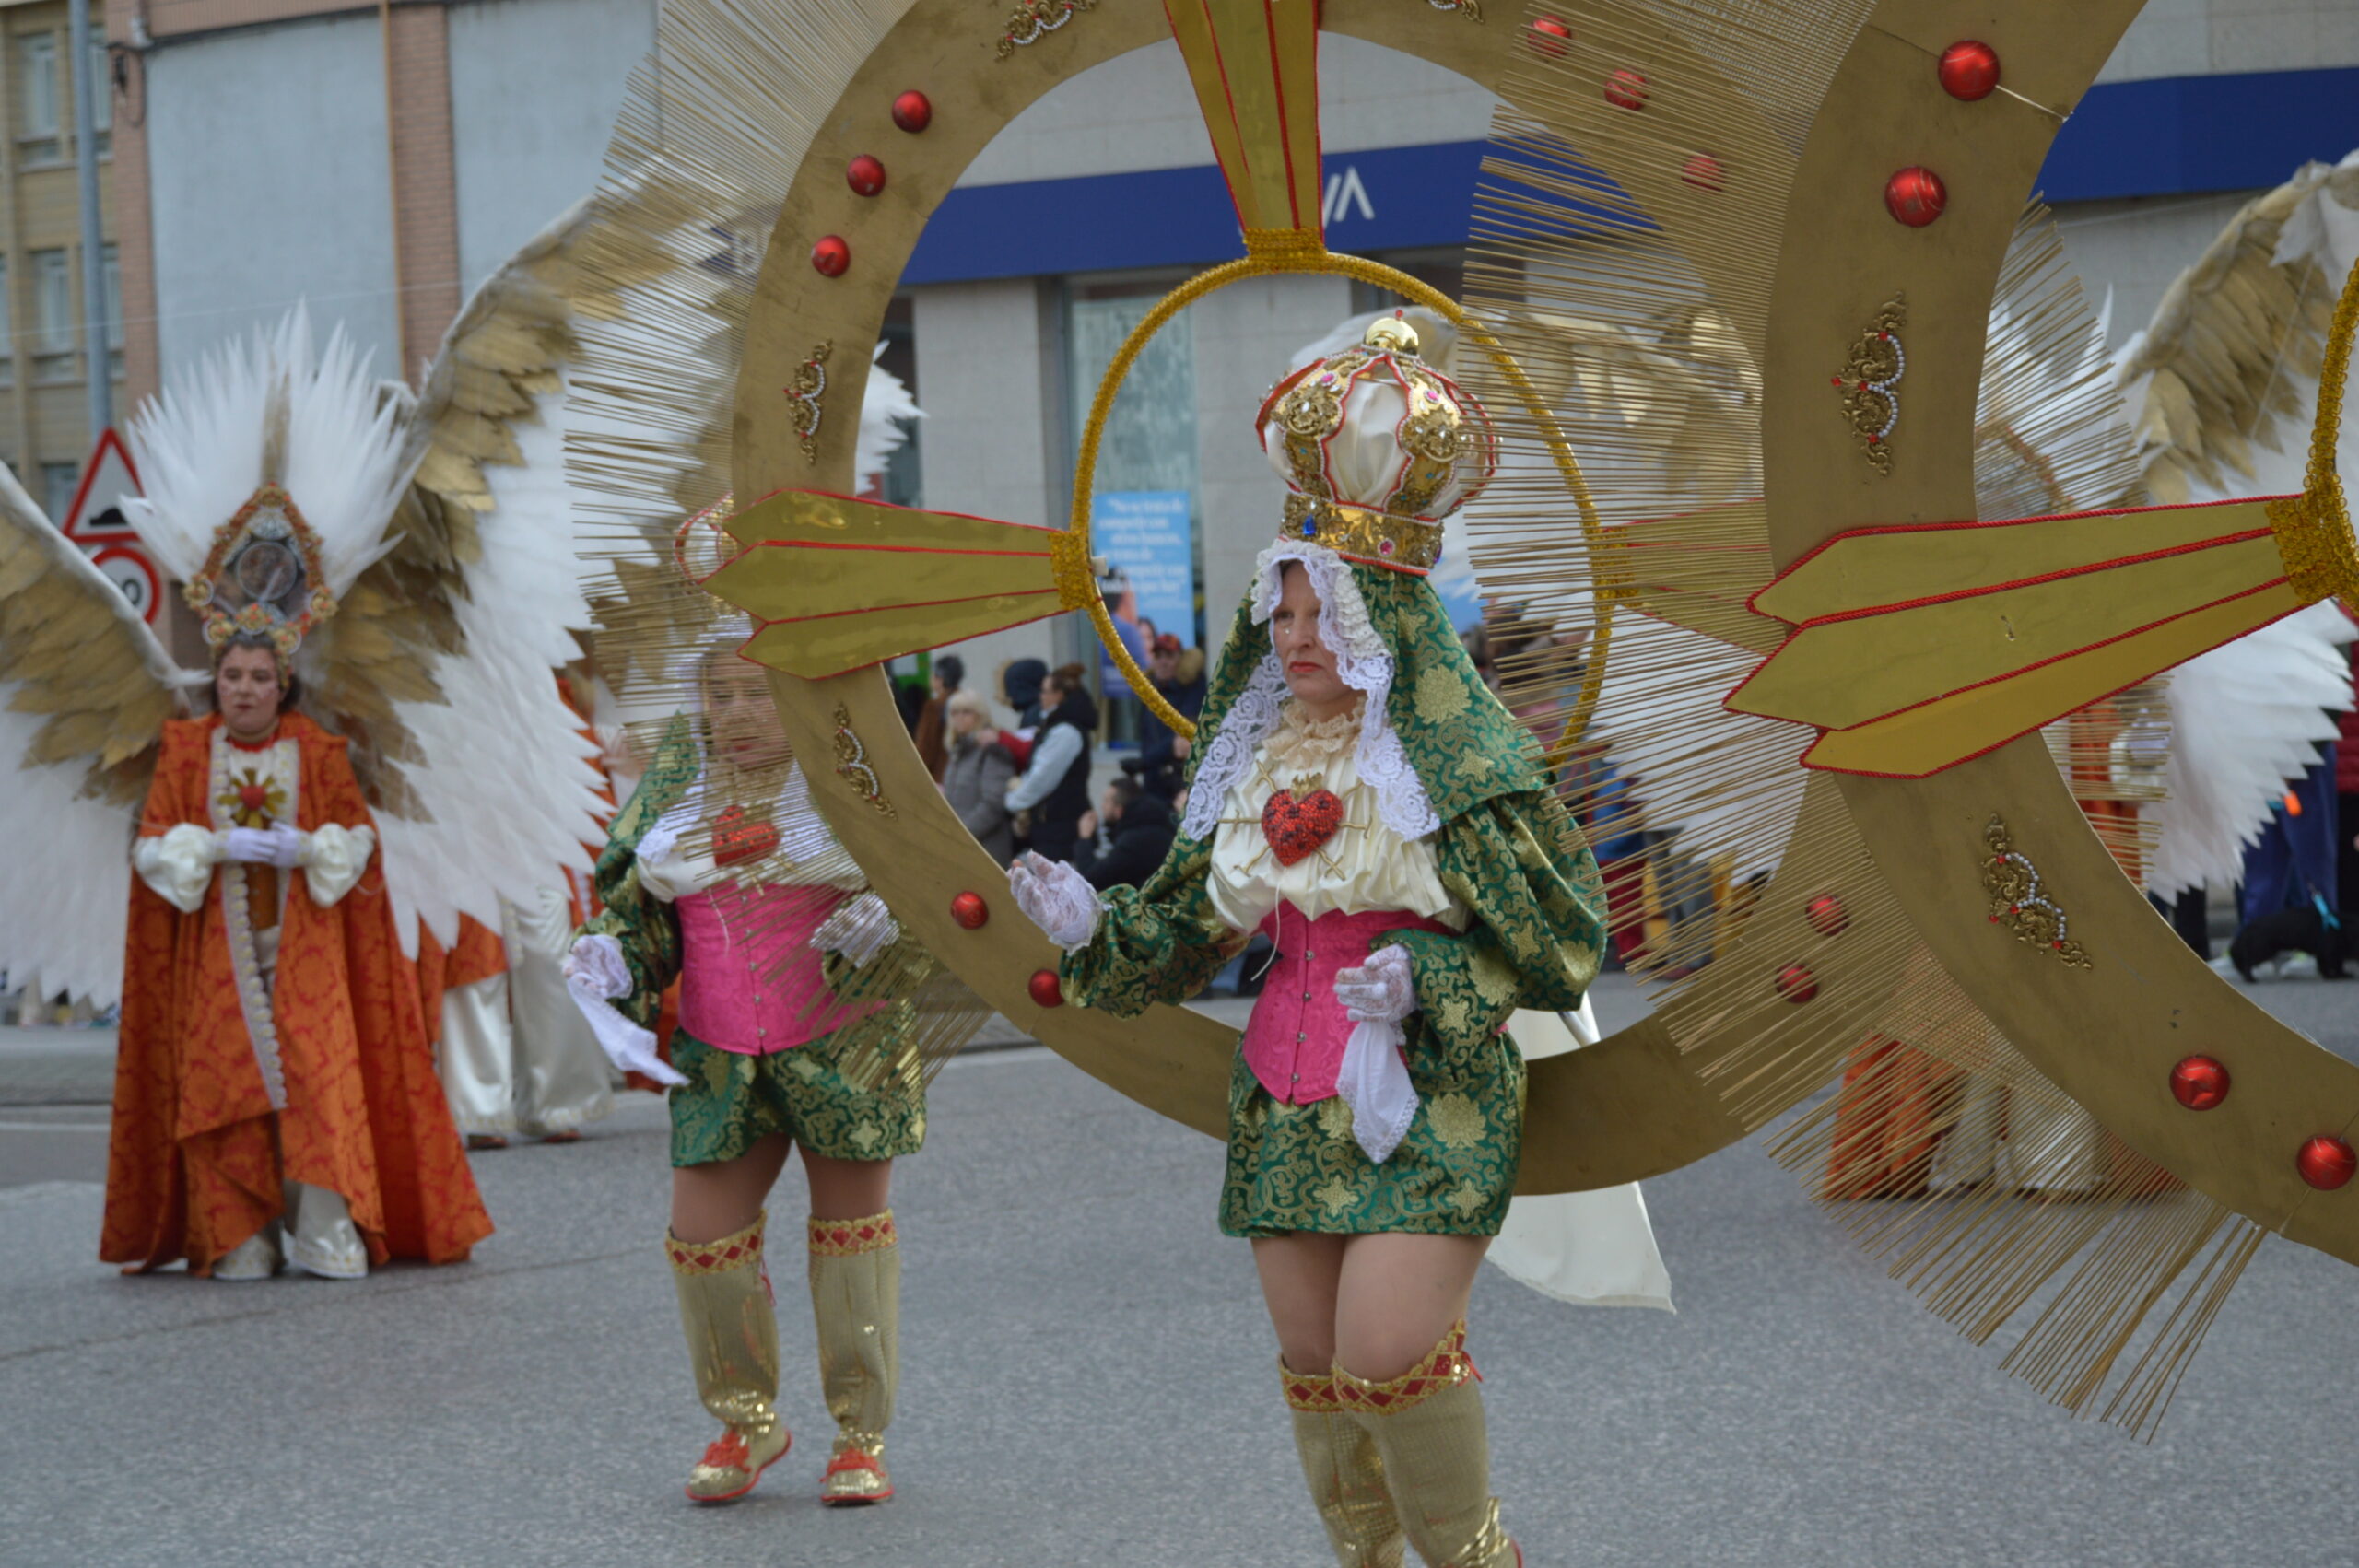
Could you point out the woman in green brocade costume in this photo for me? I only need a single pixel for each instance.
(719, 873)
(1359, 795)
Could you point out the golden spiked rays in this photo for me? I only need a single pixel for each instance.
(1917, 648)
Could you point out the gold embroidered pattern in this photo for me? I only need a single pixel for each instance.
(717, 1256)
(1455, 1120)
(2321, 558)
(806, 394)
(1034, 19)
(852, 764)
(2012, 884)
(1313, 1393)
(1870, 383)
(1441, 696)
(1446, 1366)
(849, 1238)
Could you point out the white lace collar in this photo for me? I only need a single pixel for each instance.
(1363, 662)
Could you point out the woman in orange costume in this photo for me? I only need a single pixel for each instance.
(272, 1070)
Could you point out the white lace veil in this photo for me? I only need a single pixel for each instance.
(1364, 665)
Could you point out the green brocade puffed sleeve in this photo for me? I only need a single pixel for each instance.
(1538, 936)
(1156, 942)
(646, 926)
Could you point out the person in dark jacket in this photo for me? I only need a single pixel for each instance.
(1179, 676)
(1054, 790)
(933, 740)
(1139, 829)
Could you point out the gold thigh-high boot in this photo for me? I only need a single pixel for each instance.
(1345, 1477)
(856, 1298)
(732, 1342)
(1427, 1428)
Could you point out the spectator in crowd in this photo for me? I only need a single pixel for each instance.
(1053, 793)
(949, 670)
(1179, 676)
(978, 775)
(1139, 829)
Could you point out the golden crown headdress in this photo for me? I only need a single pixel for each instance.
(1377, 448)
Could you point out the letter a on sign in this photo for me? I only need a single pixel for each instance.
(1345, 190)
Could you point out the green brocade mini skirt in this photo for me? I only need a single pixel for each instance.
(1298, 1169)
(732, 1101)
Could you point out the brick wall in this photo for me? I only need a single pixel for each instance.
(426, 211)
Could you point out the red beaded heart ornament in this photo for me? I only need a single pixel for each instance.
(737, 838)
(1295, 828)
(253, 797)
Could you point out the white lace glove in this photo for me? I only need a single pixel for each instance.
(1056, 898)
(280, 846)
(594, 974)
(860, 931)
(1380, 991)
(595, 965)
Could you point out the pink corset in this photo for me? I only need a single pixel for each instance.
(1294, 1040)
(751, 983)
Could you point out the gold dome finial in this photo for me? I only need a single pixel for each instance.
(1391, 334)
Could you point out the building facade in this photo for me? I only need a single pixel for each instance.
(44, 421)
(391, 155)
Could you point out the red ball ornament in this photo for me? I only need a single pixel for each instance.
(830, 256)
(1703, 171)
(1826, 915)
(913, 111)
(1627, 89)
(1797, 984)
(865, 175)
(1046, 988)
(1548, 36)
(1969, 70)
(969, 910)
(2199, 1083)
(1915, 196)
(2325, 1163)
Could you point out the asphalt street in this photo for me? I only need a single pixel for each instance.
(1089, 1380)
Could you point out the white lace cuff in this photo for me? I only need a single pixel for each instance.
(333, 859)
(178, 865)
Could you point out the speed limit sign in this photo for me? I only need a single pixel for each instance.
(128, 568)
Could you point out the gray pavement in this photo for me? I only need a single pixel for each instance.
(1088, 1380)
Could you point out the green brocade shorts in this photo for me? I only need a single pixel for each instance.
(731, 1102)
(1298, 1169)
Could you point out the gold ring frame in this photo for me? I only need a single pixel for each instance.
(1816, 254)
(1265, 260)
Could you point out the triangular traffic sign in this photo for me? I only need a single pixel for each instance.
(95, 517)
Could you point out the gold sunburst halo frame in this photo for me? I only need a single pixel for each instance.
(1270, 253)
(1632, 1106)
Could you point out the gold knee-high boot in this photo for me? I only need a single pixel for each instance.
(733, 1343)
(1427, 1428)
(1345, 1477)
(856, 1299)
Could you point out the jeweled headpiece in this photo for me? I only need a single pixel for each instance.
(262, 576)
(1377, 448)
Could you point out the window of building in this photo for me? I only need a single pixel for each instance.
(8, 329)
(38, 108)
(58, 482)
(101, 98)
(53, 334)
(1145, 501)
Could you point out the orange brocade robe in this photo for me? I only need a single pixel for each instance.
(196, 1164)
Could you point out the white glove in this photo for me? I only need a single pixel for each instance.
(594, 974)
(595, 965)
(1380, 991)
(279, 846)
(860, 931)
(1056, 898)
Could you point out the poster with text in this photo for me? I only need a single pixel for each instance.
(1147, 537)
